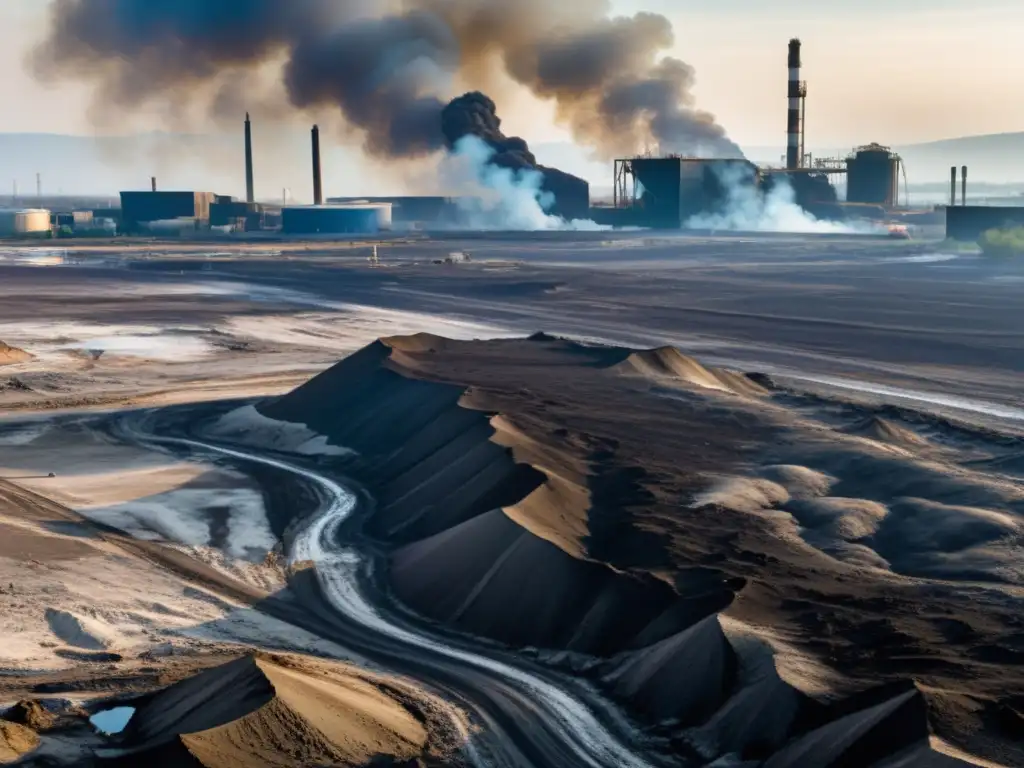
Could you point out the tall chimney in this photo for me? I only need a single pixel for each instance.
(152, 181)
(249, 193)
(793, 159)
(952, 185)
(318, 192)
(963, 185)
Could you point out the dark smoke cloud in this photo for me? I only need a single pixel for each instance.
(390, 71)
(137, 48)
(376, 71)
(475, 114)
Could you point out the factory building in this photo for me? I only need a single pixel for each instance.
(967, 223)
(570, 195)
(412, 209)
(140, 208)
(336, 219)
(242, 216)
(75, 220)
(873, 176)
(24, 221)
(666, 192)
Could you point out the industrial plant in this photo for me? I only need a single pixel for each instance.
(649, 191)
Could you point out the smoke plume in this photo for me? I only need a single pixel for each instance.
(391, 72)
(747, 207)
(497, 195)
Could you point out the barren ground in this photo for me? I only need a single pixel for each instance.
(897, 345)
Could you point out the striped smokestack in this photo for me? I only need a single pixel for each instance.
(793, 159)
(249, 192)
(318, 192)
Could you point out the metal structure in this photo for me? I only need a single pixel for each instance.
(873, 176)
(952, 186)
(963, 185)
(152, 183)
(797, 113)
(318, 190)
(353, 219)
(250, 195)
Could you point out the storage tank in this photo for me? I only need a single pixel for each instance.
(338, 219)
(176, 226)
(872, 176)
(24, 221)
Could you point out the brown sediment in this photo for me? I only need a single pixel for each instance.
(10, 355)
(263, 710)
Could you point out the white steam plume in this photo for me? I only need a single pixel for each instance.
(747, 208)
(490, 197)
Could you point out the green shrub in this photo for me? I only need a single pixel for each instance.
(1003, 242)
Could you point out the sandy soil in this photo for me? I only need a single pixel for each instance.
(819, 564)
(280, 711)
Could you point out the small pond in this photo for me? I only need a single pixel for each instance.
(111, 721)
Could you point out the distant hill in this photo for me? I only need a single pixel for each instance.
(81, 165)
(996, 158)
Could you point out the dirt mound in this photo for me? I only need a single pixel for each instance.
(548, 598)
(31, 714)
(263, 711)
(885, 431)
(10, 355)
(734, 563)
(669, 362)
(419, 343)
(81, 631)
(15, 741)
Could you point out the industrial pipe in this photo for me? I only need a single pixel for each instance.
(952, 185)
(318, 192)
(793, 116)
(249, 191)
(963, 185)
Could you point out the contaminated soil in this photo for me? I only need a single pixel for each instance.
(790, 585)
(821, 517)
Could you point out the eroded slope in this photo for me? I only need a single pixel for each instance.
(670, 518)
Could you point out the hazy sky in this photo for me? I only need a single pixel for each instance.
(892, 71)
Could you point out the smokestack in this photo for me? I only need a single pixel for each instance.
(952, 185)
(249, 193)
(963, 185)
(793, 159)
(318, 192)
(152, 181)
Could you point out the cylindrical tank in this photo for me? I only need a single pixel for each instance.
(354, 219)
(171, 226)
(872, 176)
(24, 221)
